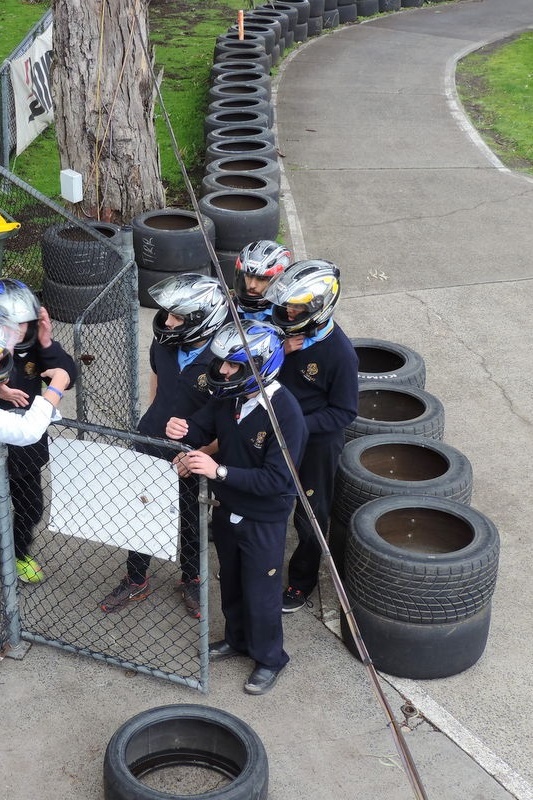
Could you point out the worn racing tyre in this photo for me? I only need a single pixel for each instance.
(380, 360)
(347, 13)
(303, 8)
(73, 256)
(261, 105)
(399, 464)
(393, 408)
(66, 303)
(171, 240)
(257, 166)
(263, 133)
(315, 26)
(290, 11)
(241, 147)
(255, 77)
(231, 118)
(389, 5)
(269, 13)
(365, 8)
(420, 652)
(251, 57)
(222, 181)
(229, 46)
(227, 259)
(219, 746)
(332, 18)
(424, 560)
(241, 217)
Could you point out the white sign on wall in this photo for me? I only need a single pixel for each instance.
(30, 79)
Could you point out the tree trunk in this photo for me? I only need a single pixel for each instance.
(103, 103)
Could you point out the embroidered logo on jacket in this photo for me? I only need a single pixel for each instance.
(310, 372)
(201, 382)
(30, 369)
(259, 439)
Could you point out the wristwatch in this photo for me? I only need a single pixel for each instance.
(221, 472)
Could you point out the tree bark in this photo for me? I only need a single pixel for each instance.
(103, 103)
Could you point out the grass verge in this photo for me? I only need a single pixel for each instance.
(495, 85)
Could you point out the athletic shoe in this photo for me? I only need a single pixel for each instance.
(190, 591)
(28, 570)
(293, 600)
(122, 594)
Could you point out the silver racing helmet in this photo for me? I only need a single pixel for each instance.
(19, 303)
(261, 259)
(9, 334)
(197, 299)
(265, 343)
(314, 285)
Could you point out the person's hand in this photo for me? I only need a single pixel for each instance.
(15, 396)
(201, 464)
(44, 328)
(180, 462)
(293, 343)
(59, 378)
(176, 428)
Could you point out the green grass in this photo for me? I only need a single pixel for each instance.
(495, 85)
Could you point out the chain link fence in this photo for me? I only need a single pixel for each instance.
(108, 504)
(111, 498)
(8, 123)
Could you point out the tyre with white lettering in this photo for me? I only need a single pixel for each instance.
(73, 256)
(171, 240)
(209, 753)
(381, 360)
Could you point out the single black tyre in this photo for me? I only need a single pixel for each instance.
(254, 165)
(420, 652)
(266, 32)
(66, 303)
(226, 260)
(380, 360)
(241, 217)
(237, 90)
(300, 32)
(389, 5)
(228, 47)
(171, 240)
(250, 17)
(242, 148)
(248, 132)
(222, 181)
(347, 13)
(422, 559)
(399, 464)
(303, 8)
(290, 11)
(315, 26)
(412, 3)
(330, 5)
(74, 257)
(182, 736)
(393, 408)
(331, 19)
(316, 8)
(365, 8)
(149, 277)
(270, 13)
(233, 118)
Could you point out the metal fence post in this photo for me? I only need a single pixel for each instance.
(4, 107)
(8, 570)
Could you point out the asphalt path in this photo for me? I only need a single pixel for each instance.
(384, 175)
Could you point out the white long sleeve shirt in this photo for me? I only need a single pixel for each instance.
(23, 429)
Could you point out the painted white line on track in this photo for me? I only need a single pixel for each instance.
(463, 738)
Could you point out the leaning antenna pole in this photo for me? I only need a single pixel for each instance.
(401, 745)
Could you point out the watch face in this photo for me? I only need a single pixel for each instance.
(221, 472)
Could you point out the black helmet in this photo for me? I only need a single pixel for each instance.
(313, 284)
(264, 259)
(9, 333)
(20, 304)
(198, 299)
(265, 343)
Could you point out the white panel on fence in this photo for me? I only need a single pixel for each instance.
(115, 496)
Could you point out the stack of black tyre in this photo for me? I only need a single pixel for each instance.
(419, 564)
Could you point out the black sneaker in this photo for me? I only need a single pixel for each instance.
(123, 594)
(293, 600)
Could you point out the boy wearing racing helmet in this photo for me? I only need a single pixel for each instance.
(320, 369)
(257, 264)
(35, 352)
(192, 308)
(254, 487)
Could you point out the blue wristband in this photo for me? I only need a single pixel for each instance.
(56, 391)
